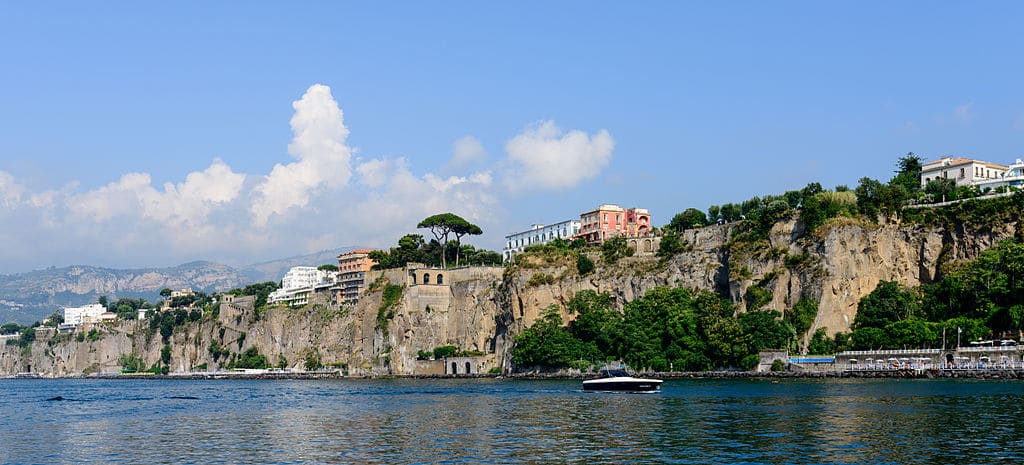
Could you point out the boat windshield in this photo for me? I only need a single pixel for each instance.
(613, 373)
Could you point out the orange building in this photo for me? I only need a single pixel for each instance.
(609, 221)
(352, 268)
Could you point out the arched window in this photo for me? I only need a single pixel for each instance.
(468, 371)
(440, 279)
(426, 278)
(455, 368)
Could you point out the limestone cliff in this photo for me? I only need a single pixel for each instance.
(482, 309)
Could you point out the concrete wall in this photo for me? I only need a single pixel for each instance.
(461, 366)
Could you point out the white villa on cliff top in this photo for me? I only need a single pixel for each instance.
(968, 172)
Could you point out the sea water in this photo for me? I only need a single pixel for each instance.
(509, 421)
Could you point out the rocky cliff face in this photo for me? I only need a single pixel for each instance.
(837, 265)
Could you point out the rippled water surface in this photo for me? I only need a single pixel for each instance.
(509, 421)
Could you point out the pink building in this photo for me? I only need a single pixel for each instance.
(609, 221)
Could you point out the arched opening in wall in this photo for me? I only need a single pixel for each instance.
(632, 245)
(455, 368)
(413, 276)
(426, 278)
(468, 368)
(440, 279)
(647, 246)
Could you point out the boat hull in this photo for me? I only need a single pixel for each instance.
(632, 385)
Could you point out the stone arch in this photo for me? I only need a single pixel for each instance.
(440, 278)
(648, 248)
(469, 368)
(455, 368)
(426, 278)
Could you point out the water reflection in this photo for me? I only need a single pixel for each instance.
(489, 421)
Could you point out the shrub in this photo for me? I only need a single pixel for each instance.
(539, 279)
(778, 365)
(251, 358)
(445, 351)
(584, 264)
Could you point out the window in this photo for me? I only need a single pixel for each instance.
(961, 173)
(426, 278)
(440, 279)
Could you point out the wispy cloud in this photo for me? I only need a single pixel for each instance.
(466, 151)
(964, 113)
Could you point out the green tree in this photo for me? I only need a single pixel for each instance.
(547, 344)
(910, 333)
(165, 292)
(596, 322)
(821, 344)
(688, 219)
(584, 265)
(714, 213)
(671, 244)
(165, 355)
(252, 359)
(615, 248)
(329, 267)
(802, 315)
(887, 303)
(441, 226)
(908, 173)
(445, 351)
(460, 229)
(766, 330)
(868, 200)
(940, 189)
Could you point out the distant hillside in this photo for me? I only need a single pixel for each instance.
(32, 296)
(274, 270)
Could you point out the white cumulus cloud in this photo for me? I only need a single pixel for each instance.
(545, 157)
(323, 159)
(466, 151)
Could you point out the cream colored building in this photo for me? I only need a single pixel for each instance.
(964, 171)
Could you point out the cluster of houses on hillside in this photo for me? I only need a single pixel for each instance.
(605, 222)
(303, 283)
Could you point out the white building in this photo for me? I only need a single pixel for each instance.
(298, 283)
(964, 171)
(81, 315)
(539, 234)
(303, 276)
(1014, 176)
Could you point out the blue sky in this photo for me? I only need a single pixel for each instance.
(378, 115)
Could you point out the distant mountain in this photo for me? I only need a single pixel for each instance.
(274, 270)
(32, 296)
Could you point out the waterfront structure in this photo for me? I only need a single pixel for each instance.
(964, 171)
(539, 234)
(352, 268)
(77, 316)
(609, 221)
(297, 285)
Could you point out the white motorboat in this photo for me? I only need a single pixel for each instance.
(618, 380)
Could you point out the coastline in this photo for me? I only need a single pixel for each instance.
(983, 374)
